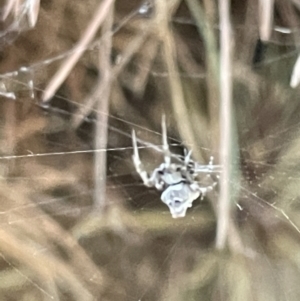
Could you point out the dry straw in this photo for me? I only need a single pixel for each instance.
(76, 221)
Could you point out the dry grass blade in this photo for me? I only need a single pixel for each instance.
(296, 3)
(205, 29)
(176, 91)
(103, 96)
(266, 11)
(44, 267)
(10, 5)
(149, 58)
(127, 54)
(78, 50)
(226, 119)
(295, 78)
(33, 12)
(45, 233)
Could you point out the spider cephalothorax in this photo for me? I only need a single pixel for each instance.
(177, 180)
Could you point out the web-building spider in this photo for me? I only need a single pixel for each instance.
(178, 181)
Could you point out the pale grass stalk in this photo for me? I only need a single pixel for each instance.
(131, 49)
(176, 92)
(10, 122)
(266, 12)
(126, 56)
(295, 78)
(33, 12)
(80, 47)
(186, 59)
(226, 150)
(17, 6)
(296, 3)
(205, 30)
(204, 21)
(102, 95)
(46, 232)
(7, 9)
(292, 21)
(10, 278)
(141, 77)
(43, 266)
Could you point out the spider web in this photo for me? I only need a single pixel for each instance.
(66, 197)
(24, 79)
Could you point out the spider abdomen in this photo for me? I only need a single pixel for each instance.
(179, 197)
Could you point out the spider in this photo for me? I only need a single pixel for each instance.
(178, 181)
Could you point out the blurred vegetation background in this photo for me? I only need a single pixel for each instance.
(76, 221)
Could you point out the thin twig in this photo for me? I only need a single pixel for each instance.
(204, 22)
(102, 94)
(80, 47)
(266, 11)
(33, 12)
(128, 53)
(176, 91)
(224, 206)
(7, 9)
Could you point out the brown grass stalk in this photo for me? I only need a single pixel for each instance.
(225, 198)
(78, 50)
(102, 95)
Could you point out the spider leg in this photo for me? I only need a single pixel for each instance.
(154, 179)
(203, 190)
(209, 168)
(211, 162)
(166, 150)
(187, 156)
(137, 162)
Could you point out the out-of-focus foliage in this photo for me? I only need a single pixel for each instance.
(55, 244)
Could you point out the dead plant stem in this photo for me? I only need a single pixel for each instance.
(224, 204)
(102, 94)
(80, 47)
